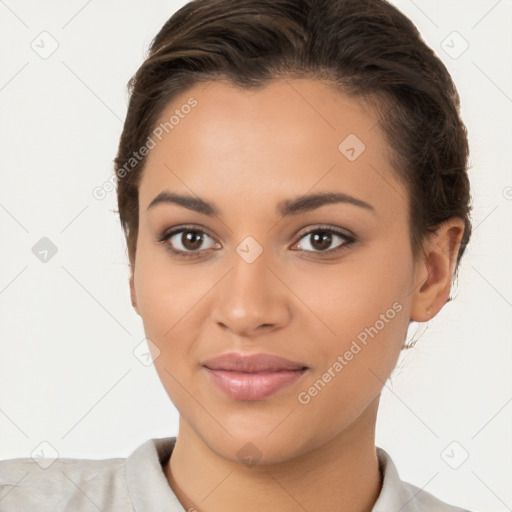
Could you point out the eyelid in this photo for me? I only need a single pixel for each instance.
(326, 227)
(177, 229)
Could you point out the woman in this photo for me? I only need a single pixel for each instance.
(291, 179)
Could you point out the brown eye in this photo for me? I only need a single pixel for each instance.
(188, 241)
(191, 240)
(324, 240)
(321, 240)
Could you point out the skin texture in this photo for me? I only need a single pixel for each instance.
(246, 151)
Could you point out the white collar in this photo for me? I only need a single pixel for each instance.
(150, 490)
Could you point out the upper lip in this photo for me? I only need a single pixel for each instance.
(251, 363)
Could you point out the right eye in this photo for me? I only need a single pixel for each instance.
(188, 241)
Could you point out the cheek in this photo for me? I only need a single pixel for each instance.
(355, 363)
(364, 290)
(167, 294)
(364, 308)
(168, 297)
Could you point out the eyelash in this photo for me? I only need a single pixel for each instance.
(348, 240)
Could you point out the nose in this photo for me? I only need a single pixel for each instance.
(251, 300)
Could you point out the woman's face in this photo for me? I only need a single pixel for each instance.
(272, 266)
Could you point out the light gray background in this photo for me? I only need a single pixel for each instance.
(68, 373)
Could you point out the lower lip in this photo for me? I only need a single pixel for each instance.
(253, 386)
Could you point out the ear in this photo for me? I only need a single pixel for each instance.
(434, 270)
(133, 296)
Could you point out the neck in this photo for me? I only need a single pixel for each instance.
(341, 474)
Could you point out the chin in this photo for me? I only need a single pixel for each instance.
(261, 444)
(258, 451)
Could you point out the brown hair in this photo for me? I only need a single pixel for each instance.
(365, 48)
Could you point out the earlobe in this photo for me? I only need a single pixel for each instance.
(434, 272)
(133, 296)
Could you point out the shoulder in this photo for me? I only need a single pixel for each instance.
(423, 501)
(399, 495)
(136, 482)
(63, 484)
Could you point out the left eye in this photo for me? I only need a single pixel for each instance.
(322, 239)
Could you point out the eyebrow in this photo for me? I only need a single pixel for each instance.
(294, 206)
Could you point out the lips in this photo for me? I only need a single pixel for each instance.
(253, 363)
(252, 377)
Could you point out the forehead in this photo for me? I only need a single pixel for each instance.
(290, 135)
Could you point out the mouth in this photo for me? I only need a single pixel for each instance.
(252, 377)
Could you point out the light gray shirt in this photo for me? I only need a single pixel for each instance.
(138, 483)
